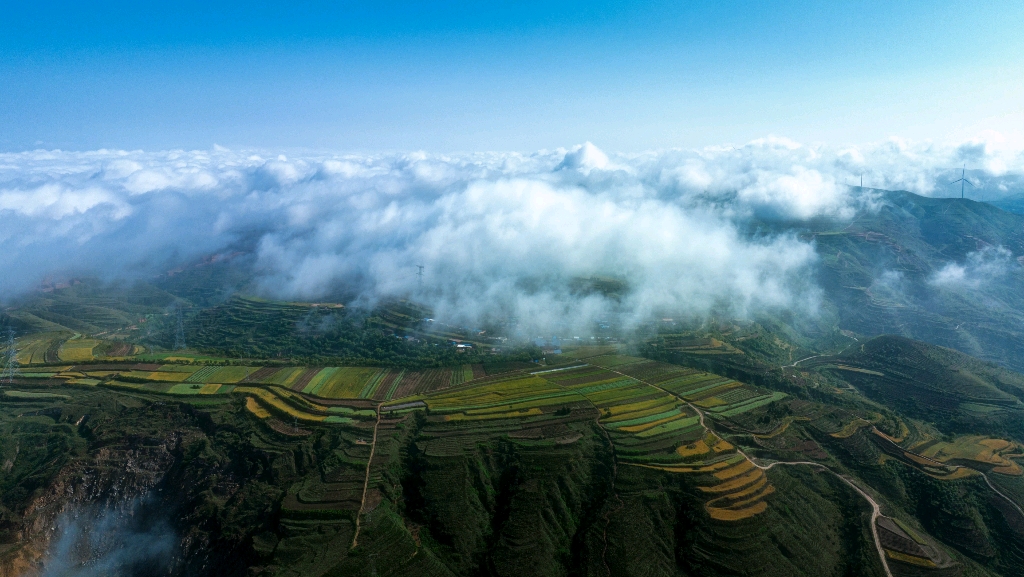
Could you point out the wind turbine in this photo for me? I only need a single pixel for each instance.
(962, 180)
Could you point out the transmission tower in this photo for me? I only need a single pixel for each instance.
(10, 361)
(963, 180)
(179, 335)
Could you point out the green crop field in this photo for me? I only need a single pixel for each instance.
(78, 349)
(284, 377)
(230, 374)
(656, 435)
(33, 349)
(346, 382)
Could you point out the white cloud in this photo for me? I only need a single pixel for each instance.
(584, 157)
(979, 268)
(54, 201)
(504, 232)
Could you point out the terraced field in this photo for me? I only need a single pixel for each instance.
(223, 375)
(648, 424)
(621, 430)
(40, 348)
(77, 350)
(641, 405)
(650, 412)
(517, 397)
(652, 426)
(974, 451)
(940, 385)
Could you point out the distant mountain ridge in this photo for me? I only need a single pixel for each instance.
(1014, 204)
(944, 271)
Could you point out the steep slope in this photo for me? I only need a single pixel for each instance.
(1014, 203)
(955, 391)
(883, 273)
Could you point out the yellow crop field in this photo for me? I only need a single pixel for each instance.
(77, 350)
(534, 411)
(982, 450)
(756, 487)
(209, 389)
(159, 376)
(737, 514)
(722, 446)
(736, 482)
(255, 408)
(662, 403)
(961, 473)
(273, 401)
(695, 468)
(996, 444)
(286, 377)
(289, 394)
(746, 497)
(738, 469)
(911, 559)
(693, 449)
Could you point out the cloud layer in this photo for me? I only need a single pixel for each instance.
(979, 268)
(498, 233)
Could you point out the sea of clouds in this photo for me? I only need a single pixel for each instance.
(497, 233)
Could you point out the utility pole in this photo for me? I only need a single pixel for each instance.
(963, 180)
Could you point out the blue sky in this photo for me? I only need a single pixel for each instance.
(464, 76)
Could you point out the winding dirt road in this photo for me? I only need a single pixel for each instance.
(1001, 494)
(876, 510)
(366, 481)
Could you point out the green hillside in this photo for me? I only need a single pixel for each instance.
(955, 391)
(876, 271)
(881, 435)
(605, 464)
